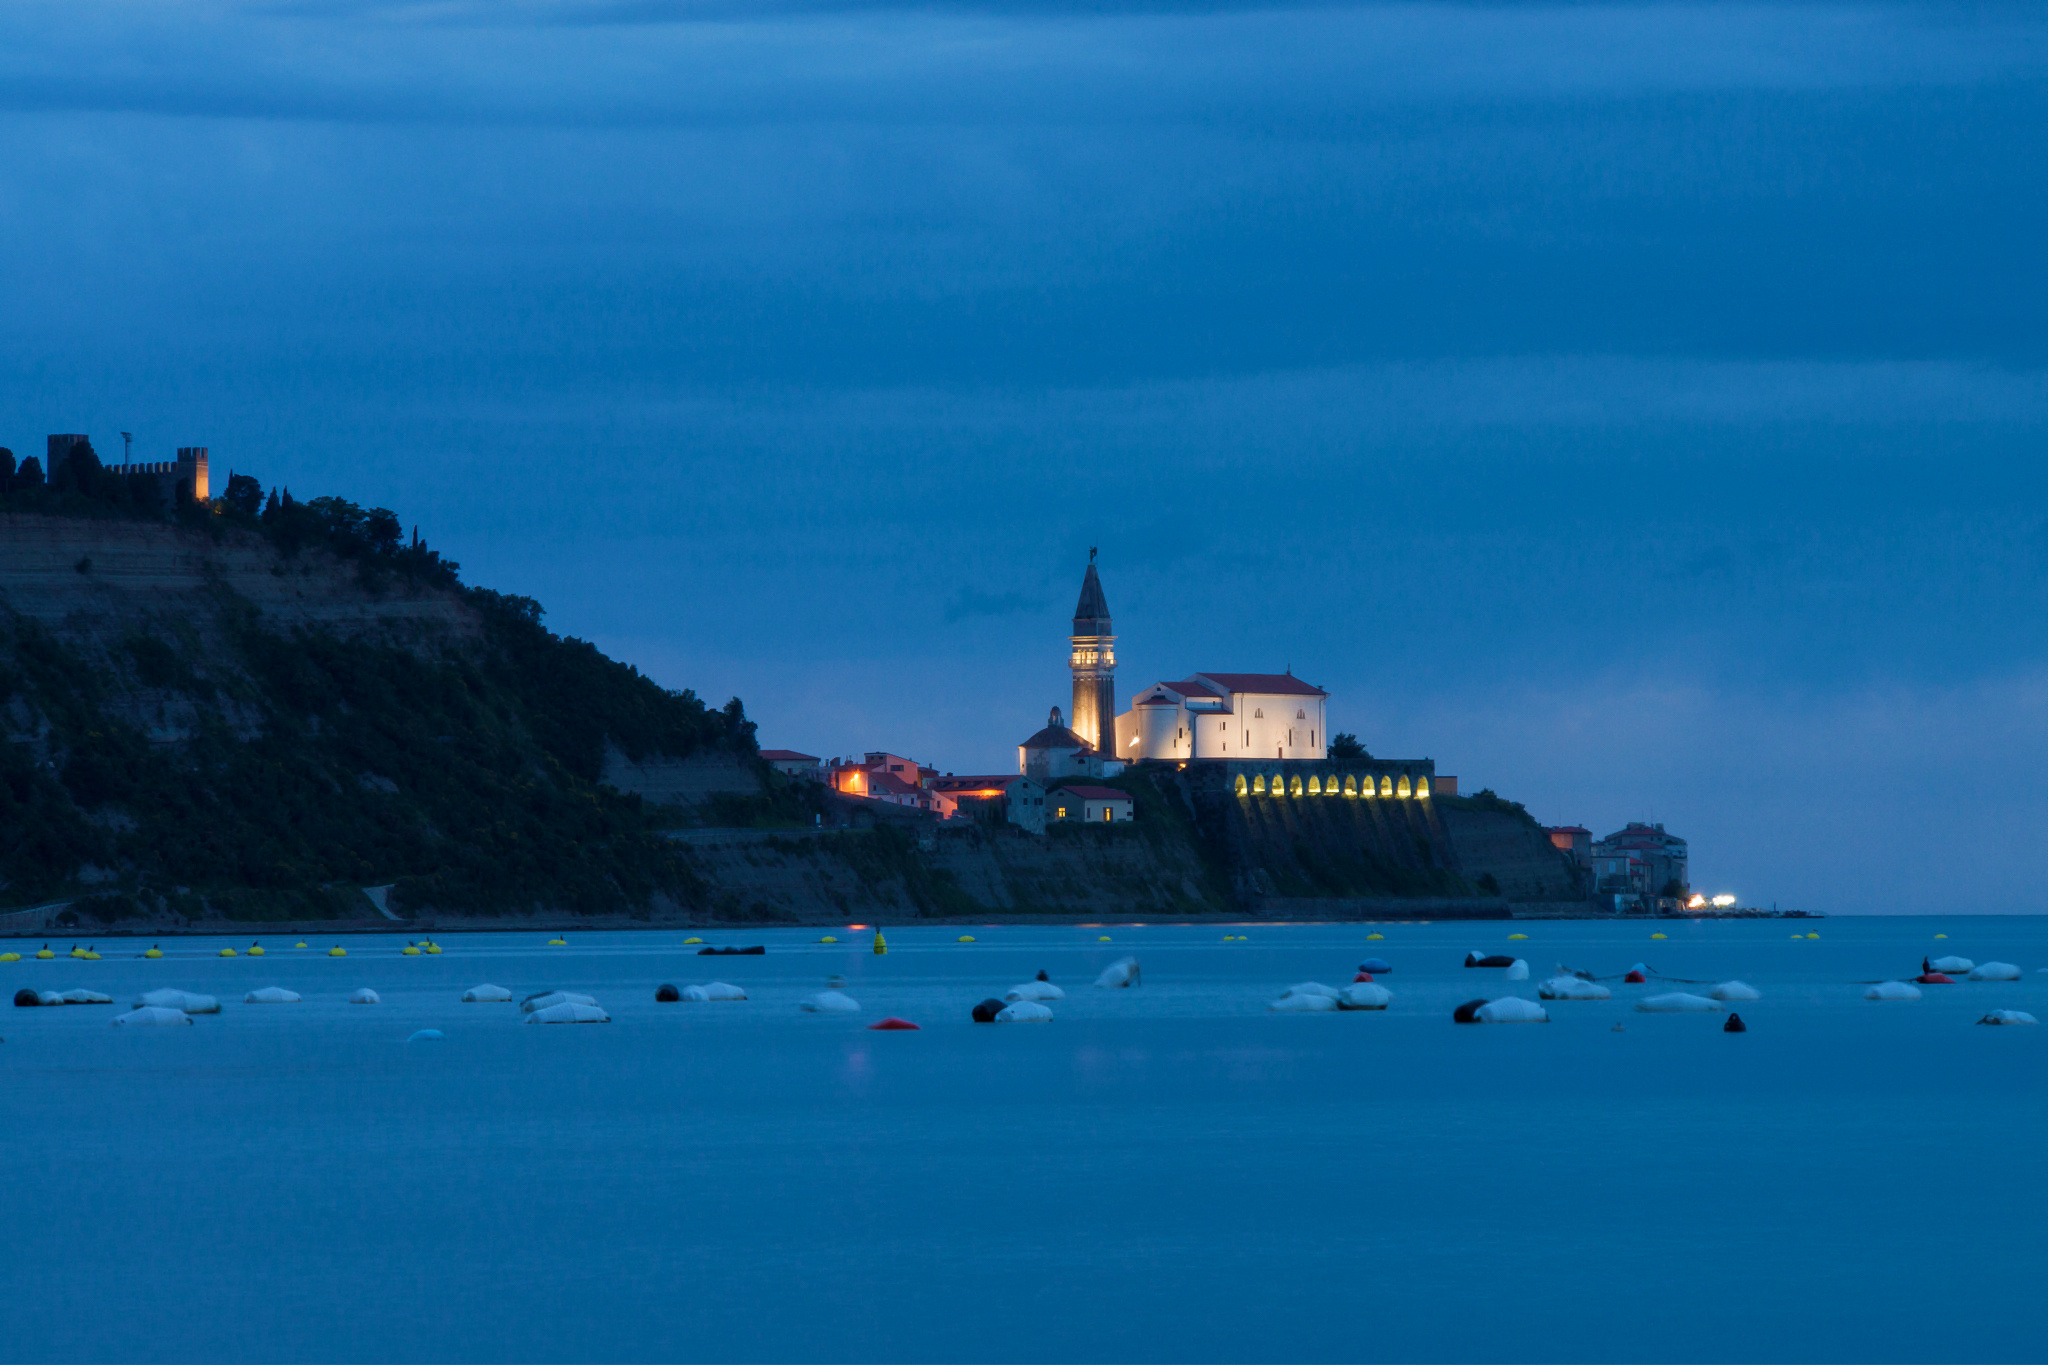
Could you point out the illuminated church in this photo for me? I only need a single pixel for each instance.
(1253, 716)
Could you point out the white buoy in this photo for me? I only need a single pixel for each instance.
(1291, 1003)
(1994, 971)
(568, 1012)
(1572, 988)
(1035, 990)
(1677, 1002)
(2008, 1017)
(1122, 972)
(1024, 1012)
(1364, 995)
(1736, 990)
(1310, 988)
(84, 997)
(711, 990)
(1511, 1010)
(426, 1035)
(366, 996)
(271, 995)
(1518, 970)
(1952, 965)
(545, 1000)
(829, 1002)
(486, 995)
(151, 1015)
(1892, 990)
(184, 1001)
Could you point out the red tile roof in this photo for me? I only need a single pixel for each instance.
(787, 756)
(1097, 793)
(1273, 684)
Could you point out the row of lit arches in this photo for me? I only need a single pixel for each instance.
(1259, 784)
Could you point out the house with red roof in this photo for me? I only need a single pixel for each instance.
(1095, 805)
(1225, 715)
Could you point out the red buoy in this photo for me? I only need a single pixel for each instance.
(892, 1022)
(1935, 979)
(1362, 976)
(1637, 978)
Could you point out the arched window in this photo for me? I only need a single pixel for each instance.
(1351, 786)
(1295, 790)
(1259, 785)
(1315, 785)
(1402, 790)
(1422, 786)
(1301, 715)
(1386, 785)
(1258, 714)
(1243, 786)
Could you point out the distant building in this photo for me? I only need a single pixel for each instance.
(1099, 805)
(1638, 864)
(1091, 656)
(854, 776)
(790, 763)
(1021, 799)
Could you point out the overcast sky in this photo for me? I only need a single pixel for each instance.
(1638, 409)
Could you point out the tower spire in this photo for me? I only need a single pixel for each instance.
(1093, 661)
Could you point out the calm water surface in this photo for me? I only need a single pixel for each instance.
(1165, 1173)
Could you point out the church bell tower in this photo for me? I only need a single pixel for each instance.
(1094, 663)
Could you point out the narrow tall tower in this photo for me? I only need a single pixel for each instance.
(1094, 664)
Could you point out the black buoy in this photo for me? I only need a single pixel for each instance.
(1467, 1013)
(26, 997)
(1734, 1025)
(1042, 976)
(987, 1010)
(756, 951)
(1495, 960)
(666, 994)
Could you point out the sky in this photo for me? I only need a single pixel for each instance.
(1636, 408)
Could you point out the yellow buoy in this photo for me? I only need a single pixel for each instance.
(433, 948)
(227, 952)
(90, 956)
(881, 944)
(45, 954)
(256, 950)
(409, 951)
(693, 940)
(1795, 936)
(1813, 935)
(1370, 937)
(828, 939)
(337, 951)
(300, 944)
(1941, 935)
(558, 943)
(1657, 936)
(10, 957)
(966, 938)
(154, 952)
(1516, 936)
(1102, 938)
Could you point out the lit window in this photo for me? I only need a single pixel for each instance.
(1402, 790)
(1259, 785)
(1351, 786)
(1243, 787)
(1108, 812)
(1422, 786)
(1315, 785)
(1296, 789)
(1386, 786)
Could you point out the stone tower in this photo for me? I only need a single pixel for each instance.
(1094, 663)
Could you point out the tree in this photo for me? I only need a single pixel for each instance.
(1673, 889)
(270, 507)
(244, 496)
(29, 476)
(1345, 748)
(382, 527)
(6, 468)
(80, 472)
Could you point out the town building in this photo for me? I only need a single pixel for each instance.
(1640, 865)
(1057, 752)
(1019, 799)
(1226, 715)
(185, 475)
(1095, 805)
(1574, 841)
(790, 763)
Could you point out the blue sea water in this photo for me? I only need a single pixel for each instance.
(1164, 1173)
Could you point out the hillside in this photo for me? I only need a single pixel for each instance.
(201, 722)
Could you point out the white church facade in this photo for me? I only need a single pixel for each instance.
(1226, 716)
